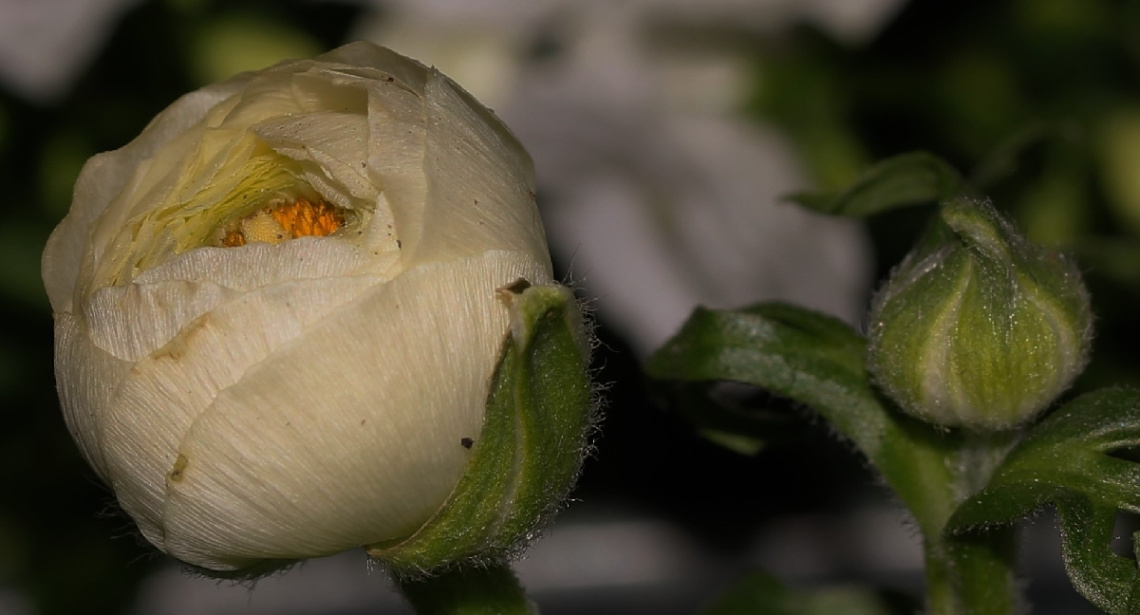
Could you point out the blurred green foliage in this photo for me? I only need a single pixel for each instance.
(1035, 101)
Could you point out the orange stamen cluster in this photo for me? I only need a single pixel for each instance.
(304, 219)
(301, 218)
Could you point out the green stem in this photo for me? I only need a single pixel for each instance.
(493, 590)
(970, 574)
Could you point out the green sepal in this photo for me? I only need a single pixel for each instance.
(530, 450)
(817, 361)
(760, 593)
(1067, 460)
(905, 180)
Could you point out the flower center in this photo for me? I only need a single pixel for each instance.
(301, 218)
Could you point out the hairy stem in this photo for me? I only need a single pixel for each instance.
(493, 590)
(972, 574)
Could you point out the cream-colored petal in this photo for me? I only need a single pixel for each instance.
(86, 378)
(267, 95)
(185, 166)
(258, 264)
(352, 434)
(396, 141)
(362, 58)
(334, 146)
(132, 321)
(300, 86)
(101, 181)
(480, 185)
(137, 225)
(156, 403)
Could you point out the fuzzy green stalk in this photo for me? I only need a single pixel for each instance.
(490, 590)
(971, 574)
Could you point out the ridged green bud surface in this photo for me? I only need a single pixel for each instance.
(978, 327)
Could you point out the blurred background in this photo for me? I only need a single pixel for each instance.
(665, 133)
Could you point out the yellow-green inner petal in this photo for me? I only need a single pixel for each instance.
(265, 198)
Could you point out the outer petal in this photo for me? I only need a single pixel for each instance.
(350, 435)
(256, 265)
(360, 54)
(480, 184)
(86, 378)
(129, 322)
(141, 425)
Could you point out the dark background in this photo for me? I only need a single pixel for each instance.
(962, 79)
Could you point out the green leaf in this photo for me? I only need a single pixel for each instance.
(1068, 460)
(760, 594)
(908, 179)
(817, 361)
(529, 452)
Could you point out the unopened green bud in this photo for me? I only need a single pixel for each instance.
(977, 327)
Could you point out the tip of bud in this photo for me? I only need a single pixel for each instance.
(978, 327)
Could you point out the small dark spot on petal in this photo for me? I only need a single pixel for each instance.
(467, 442)
(399, 244)
(179, 468)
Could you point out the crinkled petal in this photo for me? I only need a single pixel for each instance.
(480, 186)
(132, 321)
(259, 264)
(352, 434)
(86, 378)
(153, 408)
(103, 178)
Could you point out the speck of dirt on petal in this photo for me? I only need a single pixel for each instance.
(179, 469)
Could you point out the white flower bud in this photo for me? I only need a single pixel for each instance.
(276, 309)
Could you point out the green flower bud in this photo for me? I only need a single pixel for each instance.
(978, 327)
